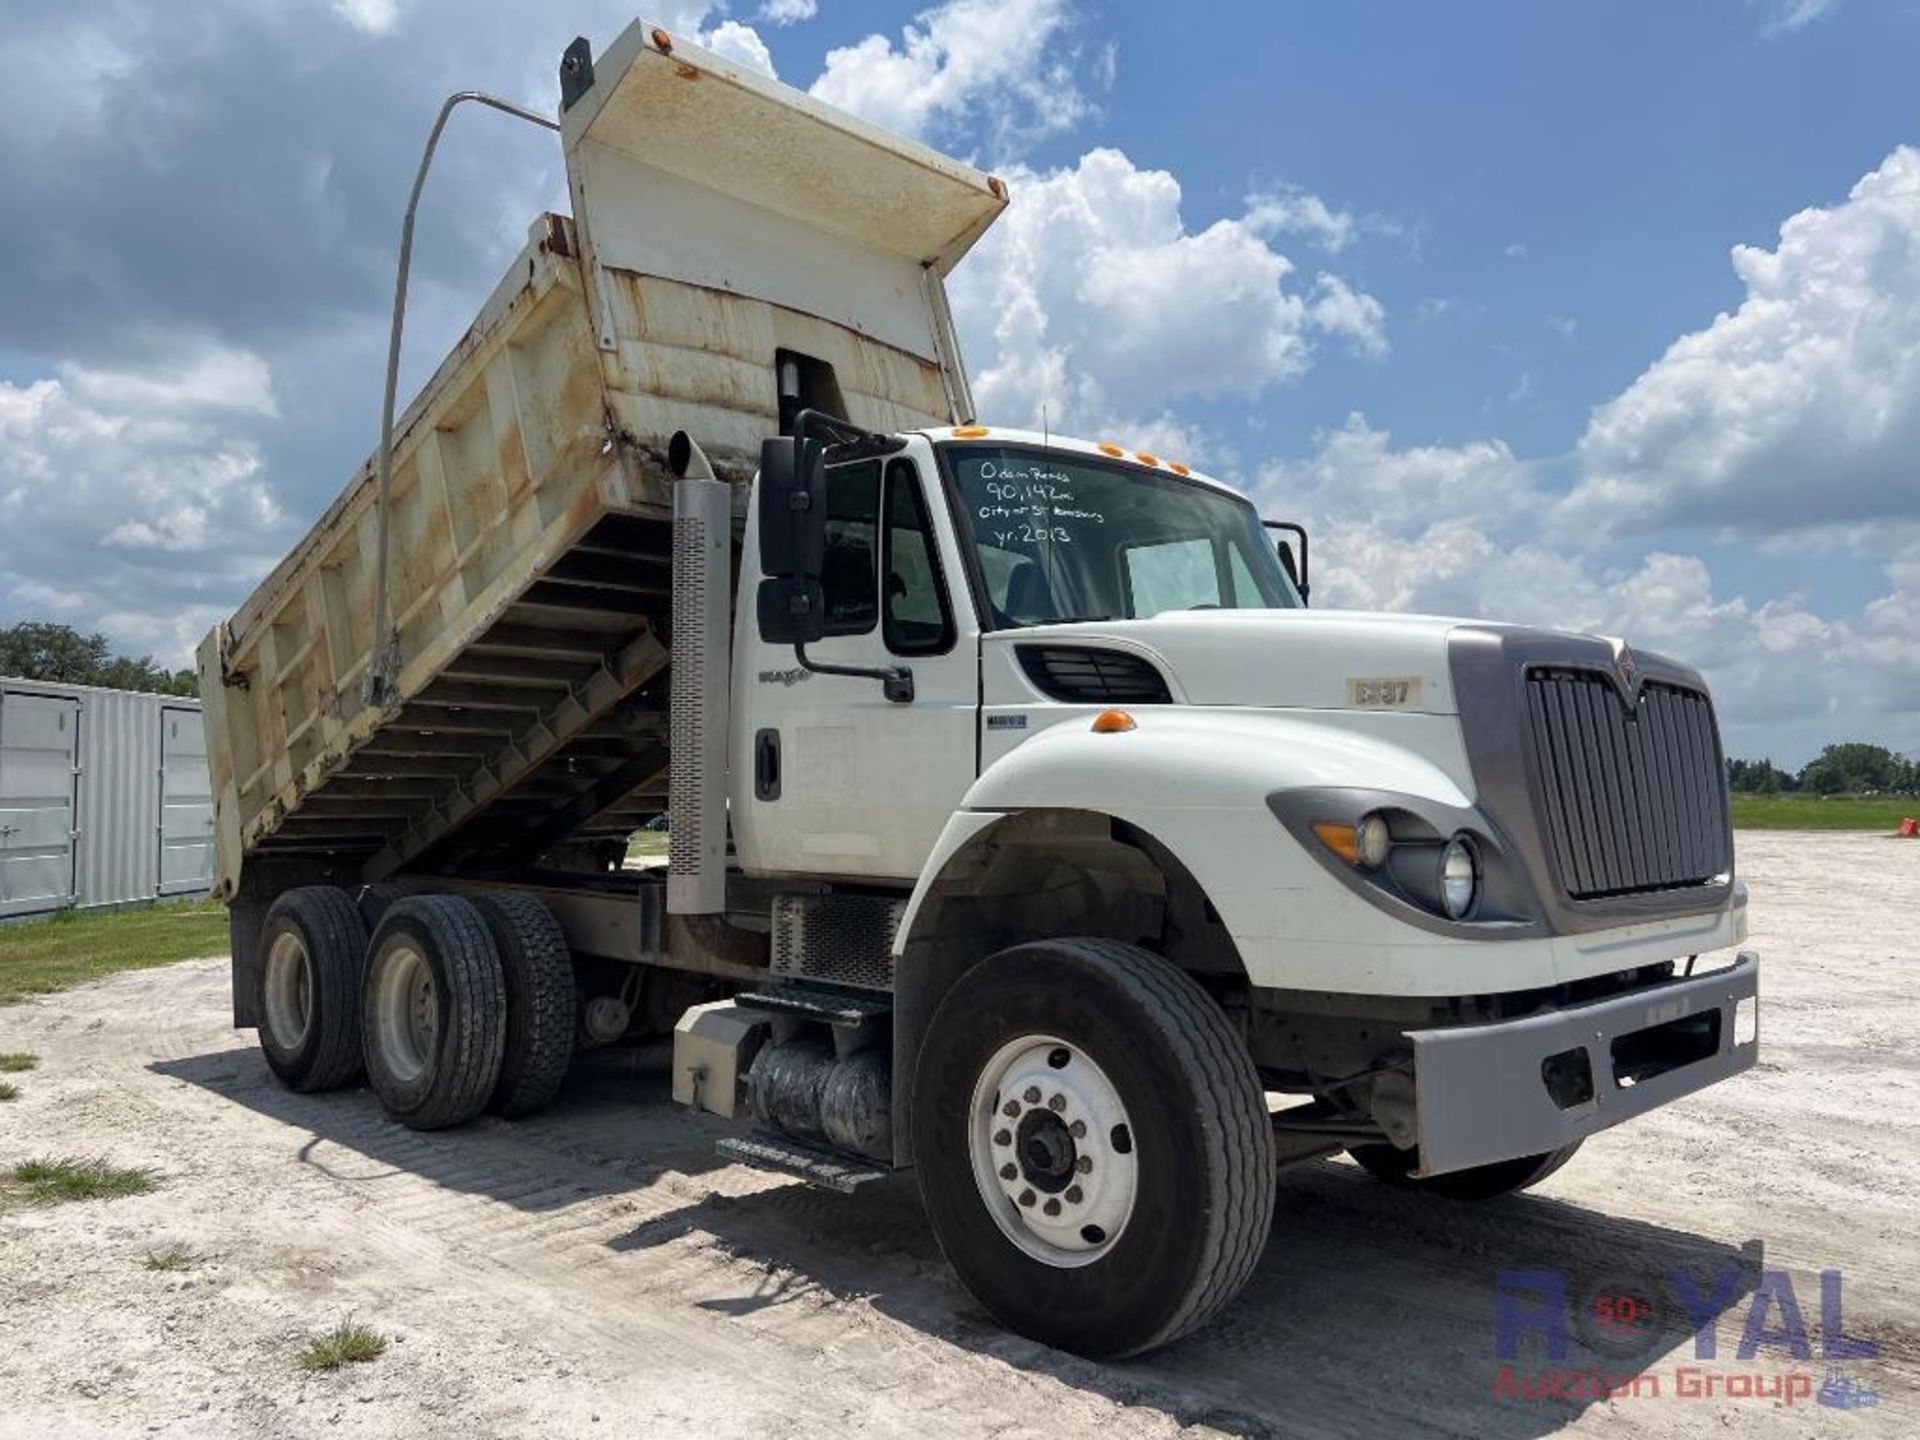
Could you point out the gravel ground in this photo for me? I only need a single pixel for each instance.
(596, 1271)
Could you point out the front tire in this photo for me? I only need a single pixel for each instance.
(1094, 1146)
(314, 949)
(1480, 1182)
(435, 1012)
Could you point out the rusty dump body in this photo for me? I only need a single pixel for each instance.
(722, 226)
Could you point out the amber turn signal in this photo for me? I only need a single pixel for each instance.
(1112, 722)
(1343, 840)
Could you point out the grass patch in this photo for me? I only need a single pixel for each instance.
(1823, 812)
(647, 846)
(16, 1061)
(348, 1343)
(50, 1182)
(174, 1257)
(9, 1090)
(39, 956)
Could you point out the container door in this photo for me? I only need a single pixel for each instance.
(39, 745)
(186, 805)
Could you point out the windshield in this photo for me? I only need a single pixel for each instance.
(1058, 537)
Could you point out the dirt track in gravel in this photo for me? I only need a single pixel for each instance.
(596, 1271)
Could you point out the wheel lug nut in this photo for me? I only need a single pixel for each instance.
(1007, 1172)
(1084, 1164)
(1058, 1102)
(1010, 1109)
(1078, 1129)
(1052, 1207)
(1074, 1196)
(1033, 1095)
(1003, 1137)
(1026, 1198)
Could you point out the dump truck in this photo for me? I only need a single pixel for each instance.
(1026, 829)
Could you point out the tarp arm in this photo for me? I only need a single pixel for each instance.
(384, 662)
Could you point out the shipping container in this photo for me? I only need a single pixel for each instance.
(104, 798)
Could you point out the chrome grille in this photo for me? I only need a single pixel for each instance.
(1635, 799)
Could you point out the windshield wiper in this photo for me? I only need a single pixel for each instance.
(1074, 620)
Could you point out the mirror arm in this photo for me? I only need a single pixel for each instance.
(896, 681)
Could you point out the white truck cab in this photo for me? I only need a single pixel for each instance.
(1027, 829)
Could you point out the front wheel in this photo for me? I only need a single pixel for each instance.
(1094, 1146)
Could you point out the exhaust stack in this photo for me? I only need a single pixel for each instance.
(701, 677)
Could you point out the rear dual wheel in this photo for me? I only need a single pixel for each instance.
(433, 1012)
(313, 951)
(451, 999)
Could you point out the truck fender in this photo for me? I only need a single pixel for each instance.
(1188, 790)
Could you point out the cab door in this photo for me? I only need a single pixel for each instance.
(829, 776)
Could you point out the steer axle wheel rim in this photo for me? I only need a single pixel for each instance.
(409, 1013)
(1052, 1151)
(289, 990)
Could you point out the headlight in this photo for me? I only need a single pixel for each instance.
(1372, 841)
(1459, 878)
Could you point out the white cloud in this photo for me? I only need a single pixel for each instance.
(375, 17)
(789, 12)
(60, 80)
(1355, 473)
(1091, 299)
(992, 61)
(1458, 530)
(741, 44)
(1297, 213)
(1791, 15)
(136, 501)
(1800, 408)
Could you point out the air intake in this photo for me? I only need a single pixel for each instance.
(1087, 675)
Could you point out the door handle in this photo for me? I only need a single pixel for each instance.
(766, 765)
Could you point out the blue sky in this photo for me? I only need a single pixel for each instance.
(1441, 280)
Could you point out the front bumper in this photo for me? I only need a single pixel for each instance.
(1523, 1087)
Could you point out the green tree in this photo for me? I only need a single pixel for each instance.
(42, 650)
(1757, 777)
(1855, 766)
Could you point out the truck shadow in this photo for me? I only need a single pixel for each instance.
(1373, 1310)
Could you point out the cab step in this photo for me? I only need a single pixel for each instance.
(843, 1174)
(824, 1003)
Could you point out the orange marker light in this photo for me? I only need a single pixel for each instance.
(1178, 468)
(662, 40)
(1112, 722)
(969, 432)
(1145, 459)
(1114, 450)
(1343, 840)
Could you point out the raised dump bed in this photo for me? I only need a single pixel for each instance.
(735, 252)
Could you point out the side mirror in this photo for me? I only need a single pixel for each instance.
(1296, 571)
(793, 507)
(793, 540)
(791, 609)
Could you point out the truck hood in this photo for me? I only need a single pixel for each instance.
(1291, 659)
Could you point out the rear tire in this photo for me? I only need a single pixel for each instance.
(1149, 1123)
(538, 969)
(434, 1013)
(313, 950)
(1481, 1182)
